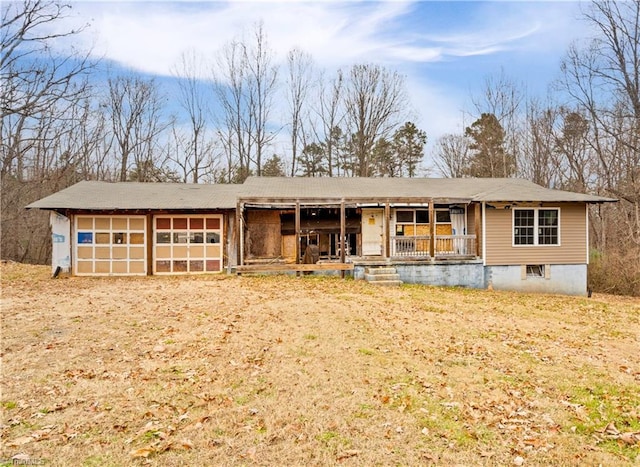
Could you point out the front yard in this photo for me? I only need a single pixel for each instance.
(222, 370)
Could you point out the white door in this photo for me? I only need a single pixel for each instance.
(372, 232)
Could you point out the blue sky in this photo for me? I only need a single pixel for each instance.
(446, 50)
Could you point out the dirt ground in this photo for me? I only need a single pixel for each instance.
(279, 370)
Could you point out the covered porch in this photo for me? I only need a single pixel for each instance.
(355, 231)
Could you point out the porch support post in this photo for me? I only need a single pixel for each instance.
(297, 227)
(476, 221)
(343, 231)
(387, 230)
(239, 235)
(149, 241)
(432, 229)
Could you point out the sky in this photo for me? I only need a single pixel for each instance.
(445, 49)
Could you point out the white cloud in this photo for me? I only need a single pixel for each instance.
(150, 37)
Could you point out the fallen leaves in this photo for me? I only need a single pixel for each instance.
(37, 435)
(252, 371)
(347, 454)
(631, 438)
(160, 447)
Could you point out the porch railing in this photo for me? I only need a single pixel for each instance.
(445, 245)
(410, 246)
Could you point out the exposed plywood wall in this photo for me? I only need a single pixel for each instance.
(263, 238)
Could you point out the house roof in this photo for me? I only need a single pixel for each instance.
(463, 189)
(92, 195)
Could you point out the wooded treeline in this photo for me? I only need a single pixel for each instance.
(240, 113)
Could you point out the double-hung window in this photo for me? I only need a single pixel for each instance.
(536, 226)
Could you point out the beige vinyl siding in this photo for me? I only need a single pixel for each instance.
(573, 240)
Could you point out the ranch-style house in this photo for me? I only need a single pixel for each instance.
(502, 233)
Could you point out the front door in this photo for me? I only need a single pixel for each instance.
(372, 232)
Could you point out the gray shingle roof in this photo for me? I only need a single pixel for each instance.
(129, 195)
(471, 189)
(178, 196)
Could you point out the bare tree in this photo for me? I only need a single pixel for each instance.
(194, 147)
(134, 108)
(299, 79)
(602, 80)
(246, 82)
(452, 155)
(376, 103)
(35, 81)
(538, 160)
(42, 91)
(504, 98)
(262, 82)
(235, 120)
(330, 113)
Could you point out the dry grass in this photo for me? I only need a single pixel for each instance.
(280, 370)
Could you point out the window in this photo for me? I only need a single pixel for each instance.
(443, 216)
(535, 270)
(536, 226)
(548, 226)
(408, 222)
(404, 217)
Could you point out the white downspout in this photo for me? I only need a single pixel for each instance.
(484, 234)
(586, 213)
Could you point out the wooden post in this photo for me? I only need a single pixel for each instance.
(343, 232)
(432, 229)
(239, 236)
(476, 221)
(387, 230)
(149, 241)
(297, 227)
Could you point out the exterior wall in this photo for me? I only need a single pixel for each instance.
(573, 238)
(452, 274)
(262, 237)
(558, 279)
(561, 279)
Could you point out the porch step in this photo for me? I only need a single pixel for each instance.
(384, 276)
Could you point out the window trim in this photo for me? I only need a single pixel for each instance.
(536, 227)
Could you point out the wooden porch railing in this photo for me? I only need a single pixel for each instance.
(445, 245)
(455, 245)
(410, 246)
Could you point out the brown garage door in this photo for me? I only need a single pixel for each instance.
(187, 244)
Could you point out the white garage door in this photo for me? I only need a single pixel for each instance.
(110, 245)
